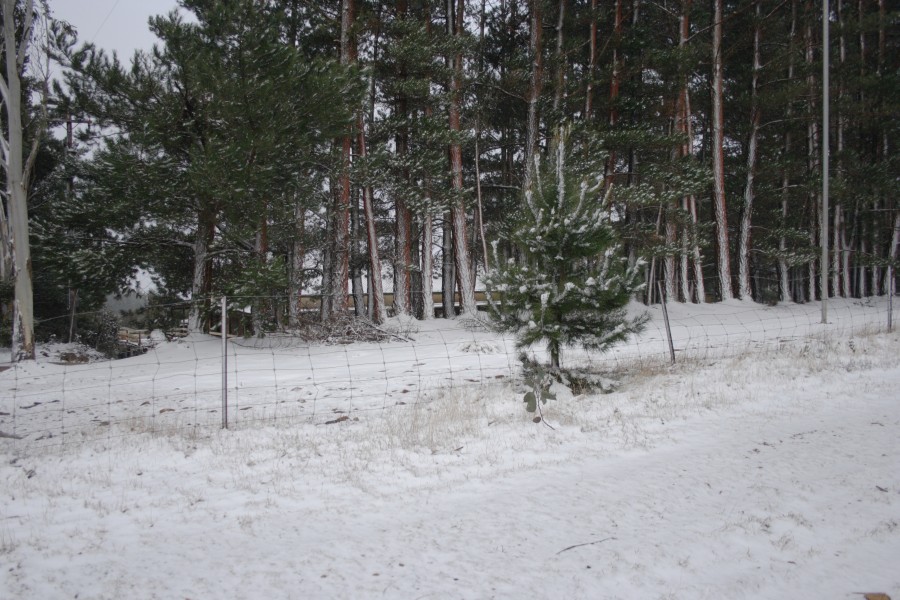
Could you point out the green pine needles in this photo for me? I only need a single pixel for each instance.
(571, 284)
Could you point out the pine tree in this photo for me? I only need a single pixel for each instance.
(223, 128)
(573, 284)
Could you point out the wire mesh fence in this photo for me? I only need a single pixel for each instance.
(182, 384)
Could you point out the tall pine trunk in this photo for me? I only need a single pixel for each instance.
(462, 263)
(718, 154)
(534, 93)
(427, 267)
(295, 283)
(340, 258)
(356, 261)
(860, 230)
(690, 241)
(592, 63)
(893, 256)
(812, 144)
(840, 279)
(200, 283)
(376, 292)
(670, 271)
(261, 249)
(559, 91)
(744, 289)
(862, 283)
(402, 214)
(448, 270)
(890, 271)
(783, 266)
(614, 84)
(882, 154)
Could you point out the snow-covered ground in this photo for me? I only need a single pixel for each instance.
(765, 464)
(277, 378)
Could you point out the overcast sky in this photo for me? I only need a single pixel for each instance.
(119, 25)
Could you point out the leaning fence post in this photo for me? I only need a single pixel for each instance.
(662, 298)
(890, 290)
(224, 363)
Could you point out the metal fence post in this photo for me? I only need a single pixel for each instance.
(224, 363)
(890, 291)
(662, 298)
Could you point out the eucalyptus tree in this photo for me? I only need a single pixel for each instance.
(25, 46)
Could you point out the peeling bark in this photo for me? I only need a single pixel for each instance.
(17, 175)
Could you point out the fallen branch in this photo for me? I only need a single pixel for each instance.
(386, 332)
(585, 544)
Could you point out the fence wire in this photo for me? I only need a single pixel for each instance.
(177, 385)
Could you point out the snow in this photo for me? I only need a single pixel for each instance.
(764, 464)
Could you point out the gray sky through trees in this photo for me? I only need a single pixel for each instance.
(119, 25)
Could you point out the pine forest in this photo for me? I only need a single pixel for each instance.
(313, 160)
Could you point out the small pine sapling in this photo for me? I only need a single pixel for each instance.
(572, 283)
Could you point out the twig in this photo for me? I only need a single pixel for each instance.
(340, 419)
(543, 420)
(10, 436)
(585, 544)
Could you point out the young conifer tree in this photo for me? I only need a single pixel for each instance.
(573, 284)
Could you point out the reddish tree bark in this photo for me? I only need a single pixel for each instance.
(458, 209)
(402, 214)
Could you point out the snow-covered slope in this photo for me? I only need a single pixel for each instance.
(771, 472)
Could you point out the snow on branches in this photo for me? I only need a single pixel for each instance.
(572, 282)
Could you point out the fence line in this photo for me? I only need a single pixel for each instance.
(180, 385)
